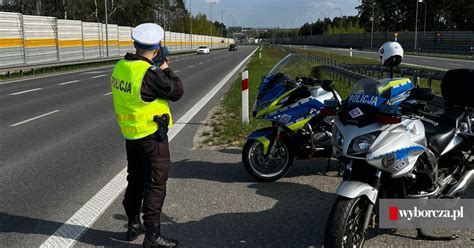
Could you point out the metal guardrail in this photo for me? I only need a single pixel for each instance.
(378, 71)
(41, 66)
(353, 73)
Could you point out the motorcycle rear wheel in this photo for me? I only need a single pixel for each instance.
(266, 169)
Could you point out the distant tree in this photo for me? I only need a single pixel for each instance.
(399, 15)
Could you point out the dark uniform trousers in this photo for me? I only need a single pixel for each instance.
(148, 168)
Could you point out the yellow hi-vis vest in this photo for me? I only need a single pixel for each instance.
(135, 116)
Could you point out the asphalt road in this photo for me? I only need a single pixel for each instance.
(429, 62)
(53, 165)
(60, 143)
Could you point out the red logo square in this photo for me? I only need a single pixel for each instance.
(393, 213)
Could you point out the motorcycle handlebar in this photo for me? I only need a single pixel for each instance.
(428, 114)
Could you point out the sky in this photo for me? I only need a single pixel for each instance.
(273, 13)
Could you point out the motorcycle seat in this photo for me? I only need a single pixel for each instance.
(438, 137)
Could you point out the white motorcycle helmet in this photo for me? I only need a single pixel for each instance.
(391, 53)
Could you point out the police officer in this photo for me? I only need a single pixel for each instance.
(141, 91)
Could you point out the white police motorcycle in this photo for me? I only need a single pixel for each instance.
(394, 148)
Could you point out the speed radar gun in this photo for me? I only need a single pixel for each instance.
(160, 59)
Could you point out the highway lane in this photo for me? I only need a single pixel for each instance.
(429, 62)
(50, 166)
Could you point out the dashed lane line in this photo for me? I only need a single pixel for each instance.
(69, 82)
(93, 72)
(25, 91)
(106, 94)
(34, 118)
(99, 76)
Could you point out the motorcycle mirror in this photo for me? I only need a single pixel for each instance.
(327, 85)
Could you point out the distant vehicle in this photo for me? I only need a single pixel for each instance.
(203, 50)
(233, 47)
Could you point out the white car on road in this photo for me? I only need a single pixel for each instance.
(203, 50)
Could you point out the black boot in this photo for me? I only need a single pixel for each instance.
(154, 239)
(135, 228)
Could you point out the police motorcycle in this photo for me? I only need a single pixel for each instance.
(395, 148)
(298, 129)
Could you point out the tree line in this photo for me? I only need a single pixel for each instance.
(392, 15)
(170, 14)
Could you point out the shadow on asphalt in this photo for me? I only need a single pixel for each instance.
(296, 219)
(236, 173)
(15, 224)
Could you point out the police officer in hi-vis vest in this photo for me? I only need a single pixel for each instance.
(141, 91)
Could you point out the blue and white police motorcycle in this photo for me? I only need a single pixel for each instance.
(297, 130)
(395, 148)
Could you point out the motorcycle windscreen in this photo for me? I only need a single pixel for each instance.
(270, 83)
(358, 114)
(361, 107)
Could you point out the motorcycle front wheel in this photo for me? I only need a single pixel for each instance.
(266, 168)
(345, 223)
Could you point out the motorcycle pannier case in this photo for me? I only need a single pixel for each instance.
(457, 87)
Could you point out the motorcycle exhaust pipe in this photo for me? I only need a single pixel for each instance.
(463, 183)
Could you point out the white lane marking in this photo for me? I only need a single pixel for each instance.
(455, 64)
(201, 63)
(177, 71)
(69, 82)
(53, 75)
(92, 72)
(99, 76)
(25, 91)
(423, 66)
(88, 214)
(106, 94)
(34, 118)
(191, 66)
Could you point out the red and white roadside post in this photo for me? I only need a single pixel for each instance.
(245, 97)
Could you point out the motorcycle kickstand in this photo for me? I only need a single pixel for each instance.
(329, 164)
(424, 236)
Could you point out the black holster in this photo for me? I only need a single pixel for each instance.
(162, 122)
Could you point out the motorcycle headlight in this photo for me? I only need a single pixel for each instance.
(362, 143)
(337, 137)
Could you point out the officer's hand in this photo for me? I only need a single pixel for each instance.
(164, 65)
